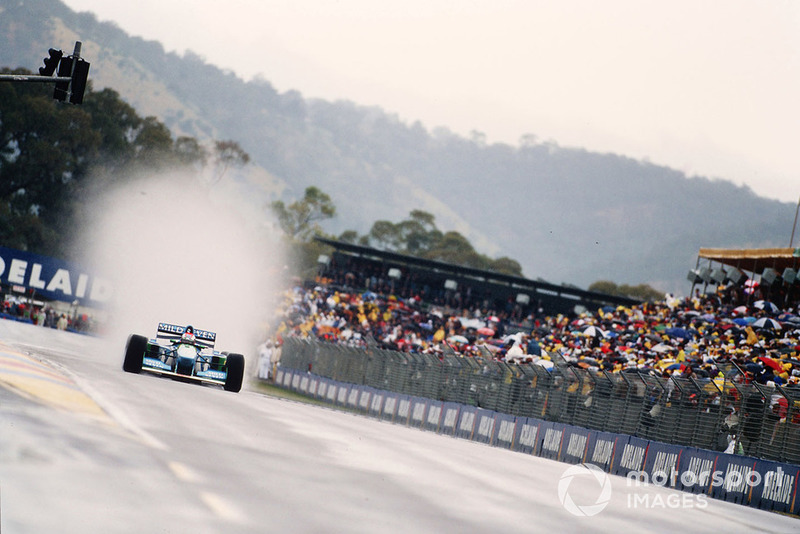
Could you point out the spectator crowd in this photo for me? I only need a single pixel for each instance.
(683, 337)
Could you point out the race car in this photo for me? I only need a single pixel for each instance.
(184, 352)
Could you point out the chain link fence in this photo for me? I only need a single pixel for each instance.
(719, 414)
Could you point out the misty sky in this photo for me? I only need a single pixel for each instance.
(706, 87)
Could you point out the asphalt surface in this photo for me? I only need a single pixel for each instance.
(85, 447)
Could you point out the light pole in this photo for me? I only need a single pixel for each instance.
(791, 240)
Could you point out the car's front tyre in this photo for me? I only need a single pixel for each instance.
(235, 363)
(134, 354)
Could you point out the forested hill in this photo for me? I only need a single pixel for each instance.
(568, 215)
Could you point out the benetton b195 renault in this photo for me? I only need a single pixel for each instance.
(184, 353)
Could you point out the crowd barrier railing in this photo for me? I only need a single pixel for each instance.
(763, 422)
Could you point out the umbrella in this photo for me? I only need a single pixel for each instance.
(457, 339)
(485, 331)
(663, 347)
(767, 306)
(744, 321)
(677, 332)
(753, 368)
(750, 286)
(493, 319)
(594, 331)
(516, 338)
(765, 323)
(769, 362)
(740, 310)
(547, 364)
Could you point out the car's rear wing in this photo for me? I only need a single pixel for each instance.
(174, 332)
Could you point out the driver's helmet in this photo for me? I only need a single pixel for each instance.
(188, 335)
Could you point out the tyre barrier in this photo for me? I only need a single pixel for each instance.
(744, 480)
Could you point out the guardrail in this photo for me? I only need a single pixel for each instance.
(762, 422)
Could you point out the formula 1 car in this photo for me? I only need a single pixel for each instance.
(184, 352)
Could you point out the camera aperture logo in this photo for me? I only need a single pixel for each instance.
(583, 482)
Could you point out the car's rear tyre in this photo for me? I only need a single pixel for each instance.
(233, 382)
(134, 353)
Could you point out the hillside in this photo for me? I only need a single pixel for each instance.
(568, 215)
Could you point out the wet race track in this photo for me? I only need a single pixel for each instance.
(85, 447)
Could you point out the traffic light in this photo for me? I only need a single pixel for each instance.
(80, 73)
(77, 70)
(51, 63)
(64, 71)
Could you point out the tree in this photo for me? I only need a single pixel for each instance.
(348, 236)
(643, 292)
(47, 151)
(300, 220)
(189, 151)
(455, 248)
(506, 265)
(228, 154)
(385, 235)
(418, 233)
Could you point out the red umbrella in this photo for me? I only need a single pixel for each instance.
(769, 362)
(485, 331)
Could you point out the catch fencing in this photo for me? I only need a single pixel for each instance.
(761, 421)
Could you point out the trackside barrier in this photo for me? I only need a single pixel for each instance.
(450, 413)
(433, 417)
(689, 412)
(505, 428)
(574, 444)
(738, 479)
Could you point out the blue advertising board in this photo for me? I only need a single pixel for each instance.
(775, 487)
(484, 426)
(575, 442)
(696, 468)
(551, 437)
(526, 435)
(53, 279)
(600, 449)
(504, 430)
(419, 407)
(403, 410)
(376, 403)
(466, 422)
(734, 478)
(450, 411)
(433, 417)
(662, 464)
(389, 409)
(629, 455)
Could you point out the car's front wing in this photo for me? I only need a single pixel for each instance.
(210, 375)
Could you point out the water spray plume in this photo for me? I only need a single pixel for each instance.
(177, 253)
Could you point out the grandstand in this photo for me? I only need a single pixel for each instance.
(772, 272)
(443, 283)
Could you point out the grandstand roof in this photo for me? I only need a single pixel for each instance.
(754, 260)
(588, 297)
